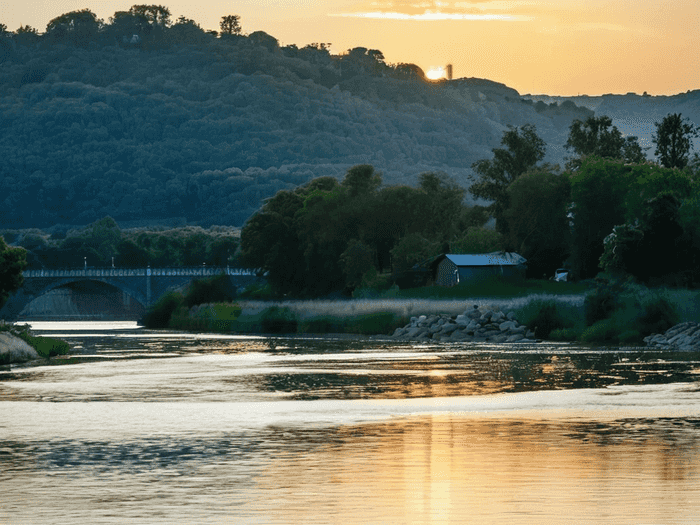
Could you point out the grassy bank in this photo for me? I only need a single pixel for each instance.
(45, 346)
(608, 312)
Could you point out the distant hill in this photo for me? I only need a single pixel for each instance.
(635, 114)
(201, 131)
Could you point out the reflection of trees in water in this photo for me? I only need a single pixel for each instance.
(471, 374)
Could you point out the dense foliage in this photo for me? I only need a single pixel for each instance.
(104, 244)
(327, 236)
(145, 117)
(12, 263)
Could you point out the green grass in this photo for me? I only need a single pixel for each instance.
(45, 346)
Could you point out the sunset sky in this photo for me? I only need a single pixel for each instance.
(556, 47)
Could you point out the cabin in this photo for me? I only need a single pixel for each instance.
(451, 269)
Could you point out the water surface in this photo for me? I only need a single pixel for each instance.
(165, 427)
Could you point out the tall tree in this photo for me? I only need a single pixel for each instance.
(597, 136)
(157, 15)
(537, 219)
(230, 25)
(522, 150)
(672, 139)
(13, 261)
(77, 27)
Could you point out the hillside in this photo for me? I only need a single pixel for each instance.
(201, 131)
(634, 114)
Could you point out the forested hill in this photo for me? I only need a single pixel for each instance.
(199, 129)
(634, 114)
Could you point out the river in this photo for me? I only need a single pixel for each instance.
(146, 427)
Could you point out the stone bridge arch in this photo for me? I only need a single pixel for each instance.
(144, 285)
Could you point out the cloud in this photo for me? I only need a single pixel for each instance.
(431, 15)
(431, 10)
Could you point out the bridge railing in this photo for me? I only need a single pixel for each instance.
(194, 271)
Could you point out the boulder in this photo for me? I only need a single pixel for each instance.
(15, 350)
(684, 337)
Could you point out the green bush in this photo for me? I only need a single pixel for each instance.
(49, 347)
(565, 334)
(658, 315)
(375, 323)
(45, 346)
(603, 331)
(158, 315)
(600, 304)
(321, 325)
(546, 316)
(213, 290)
(278, 320)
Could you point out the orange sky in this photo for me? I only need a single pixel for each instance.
(557, 47)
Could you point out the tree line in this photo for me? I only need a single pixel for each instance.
(204, 129)
(104, 244)
(608, 209)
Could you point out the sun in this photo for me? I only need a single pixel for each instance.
(436, 73)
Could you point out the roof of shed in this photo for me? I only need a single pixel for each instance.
(487, 259)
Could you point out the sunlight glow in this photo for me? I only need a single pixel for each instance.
(431, 16)
(436, 73)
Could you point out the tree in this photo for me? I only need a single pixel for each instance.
(26, 35)
(13, 261)
(230, 25)
(538, 227)
(156, 15)
(598, 191)
(361, 180)
(77, 27)
(597, 136)
(356, 261)
(672, 139)
(186, 30)
(478, 239)
(650, 249)
(261, 38)
(440, 206)
(523, 150)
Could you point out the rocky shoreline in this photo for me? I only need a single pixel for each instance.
(684, 337)
(481, 324)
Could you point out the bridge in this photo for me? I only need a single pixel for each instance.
(144, 285)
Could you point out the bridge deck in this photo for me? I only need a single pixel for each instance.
(198, 271)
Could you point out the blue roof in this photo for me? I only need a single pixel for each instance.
(487, 259)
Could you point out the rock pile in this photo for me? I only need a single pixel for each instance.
(480, 324)
(684, 337)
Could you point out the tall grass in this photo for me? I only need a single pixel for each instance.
(402, 307)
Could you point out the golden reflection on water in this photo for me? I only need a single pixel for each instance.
(442, 469)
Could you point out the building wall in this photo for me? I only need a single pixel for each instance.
(447, 271)
(446, 274)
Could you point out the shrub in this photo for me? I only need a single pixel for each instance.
(49, 347)
(321, 325)
(45, 346)
(658, 315)
(603, 331)
(565, 334)
(158, 315)
(545, 316)
(278, 320)
(600, 304)
(213, 290)
(375, 323)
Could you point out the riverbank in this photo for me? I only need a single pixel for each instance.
(19, 345)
